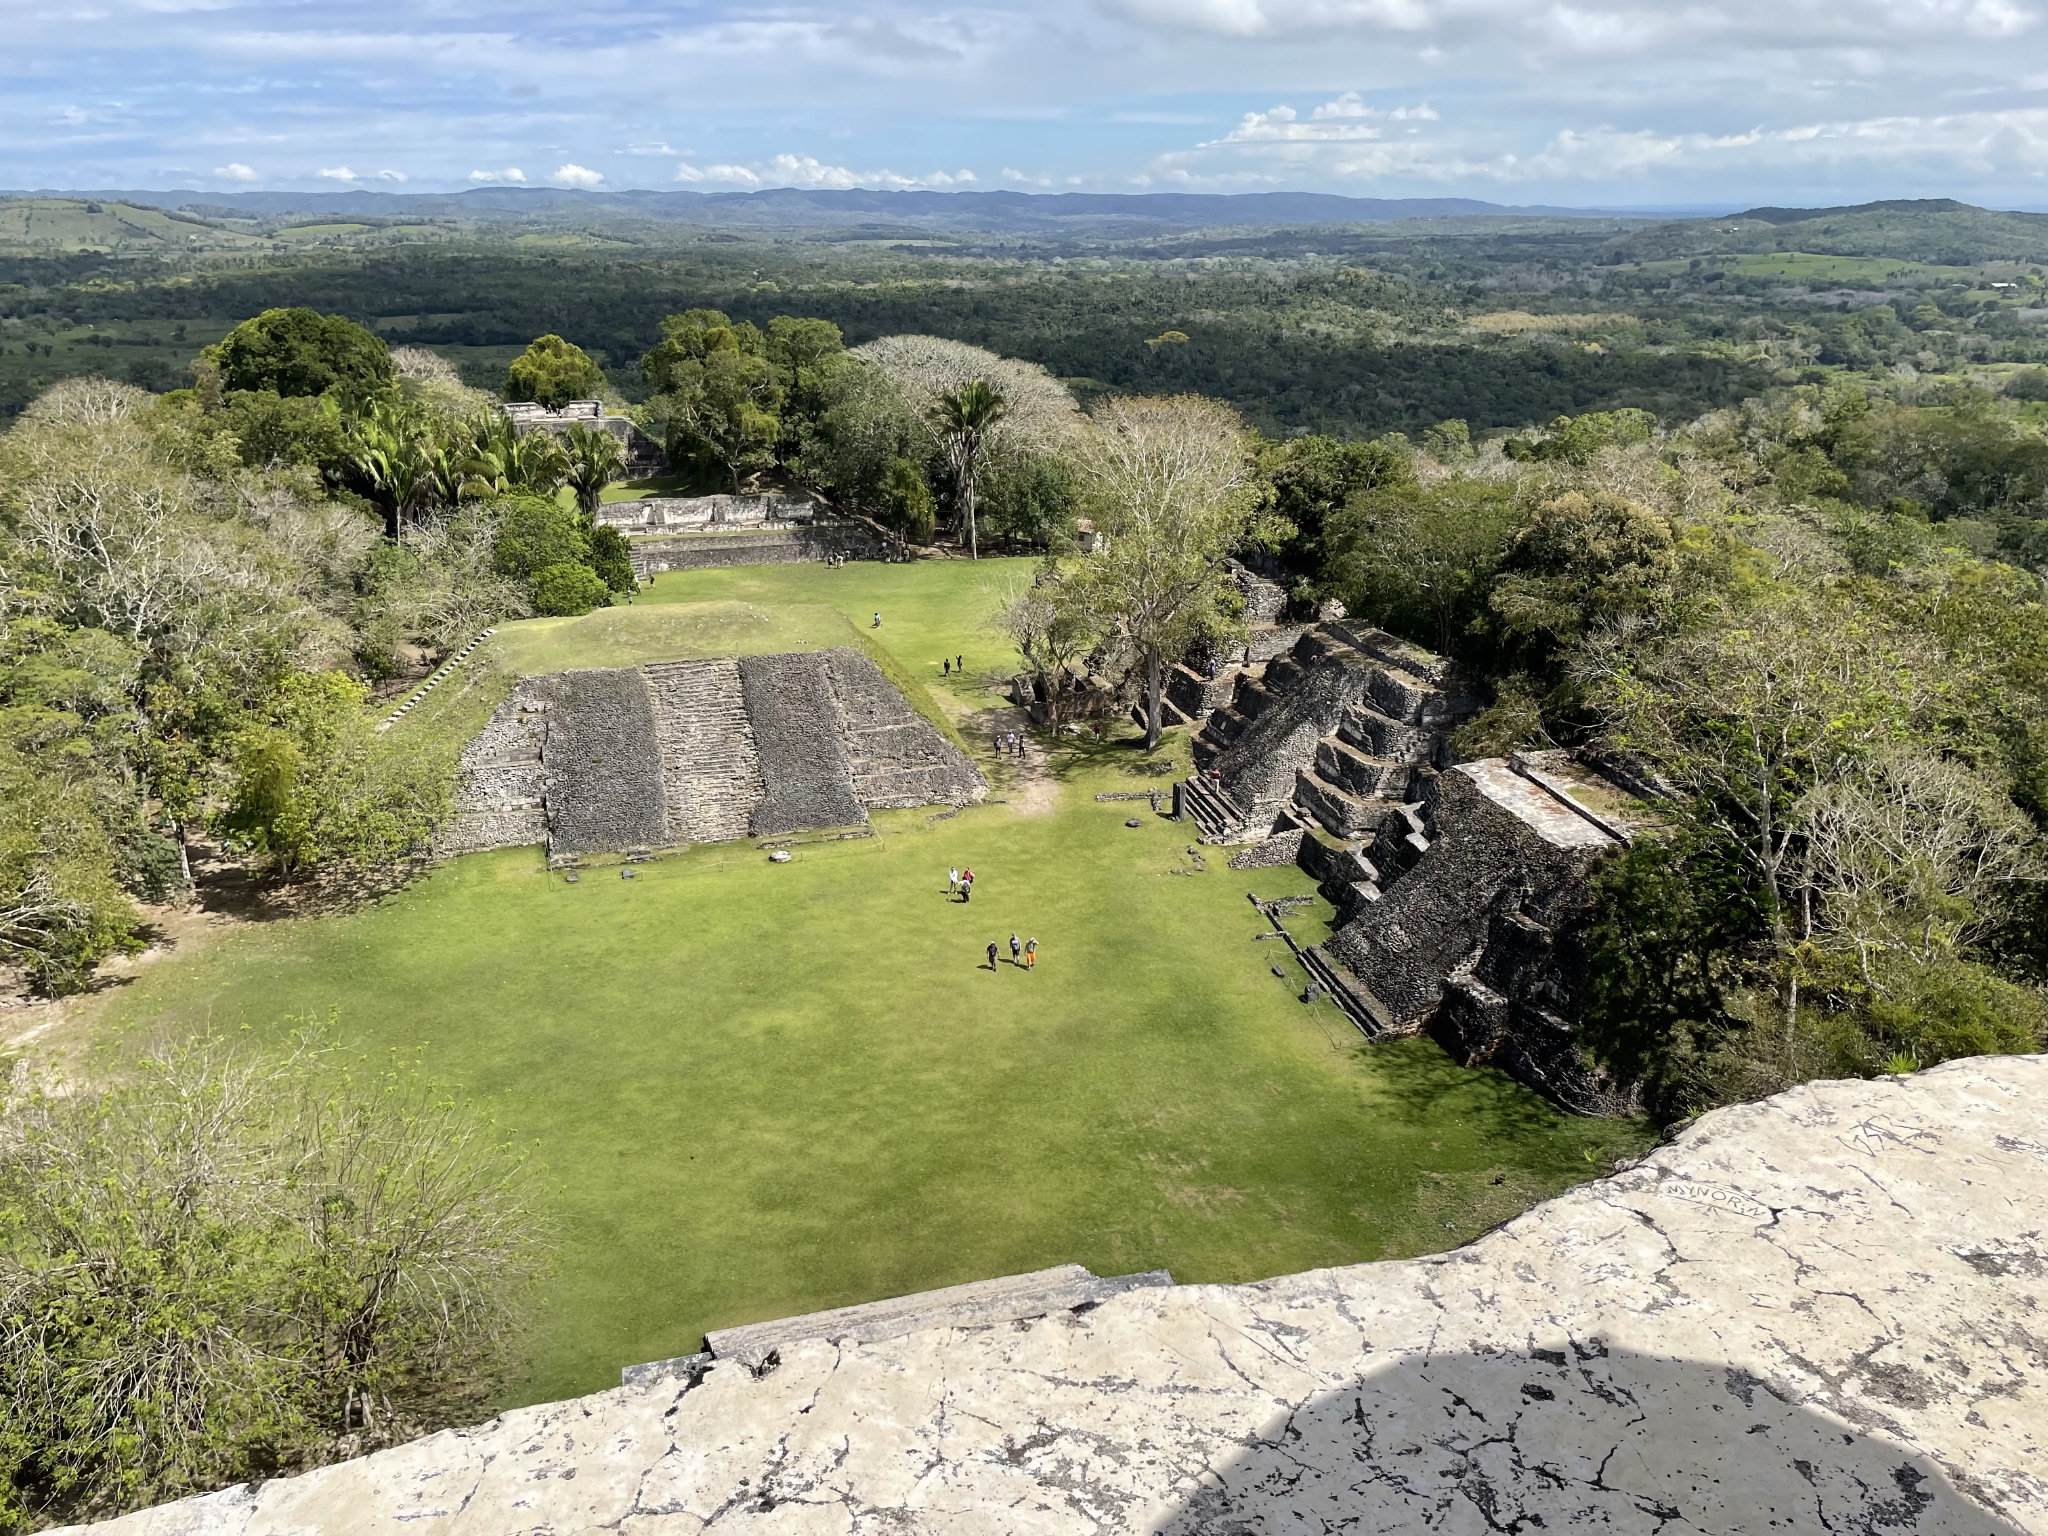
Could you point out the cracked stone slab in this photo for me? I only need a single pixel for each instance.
(1823, 1312)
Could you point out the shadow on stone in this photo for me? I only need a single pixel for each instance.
(1577, 1438)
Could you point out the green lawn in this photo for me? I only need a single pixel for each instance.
(756, 1089)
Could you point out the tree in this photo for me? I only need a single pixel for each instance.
(717, 392)
(225, 1263)
(1051, 631)
(1313, 477)
(303, 352)
(311, 783)
(595, 460)
(930, 378)
(1168, 483)
(500, 460)
(909, 500)
(965, 416)
(568, 588)
(612, 558)
(797, 345)
(1585, 560)
(552, 372)
(1421, 559)
(1747, 716)
(393, 455)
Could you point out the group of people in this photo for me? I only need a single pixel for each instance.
(1010, 742)
(1023, 953)
(957, 664)
(960, 882)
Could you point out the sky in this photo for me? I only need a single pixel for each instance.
(1590, 103)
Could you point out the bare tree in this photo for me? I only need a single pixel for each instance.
(1906, 853)
(1169, 485)
(1052, 632)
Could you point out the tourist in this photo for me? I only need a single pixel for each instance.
(952, 880)
(959, 663)
(1030, 953)
(991, 954)
(1016, 949)
(877, 624)
(945, 667)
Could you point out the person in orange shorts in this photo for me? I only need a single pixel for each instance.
(1030, 953)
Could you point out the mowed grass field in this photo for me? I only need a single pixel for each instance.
(751, 1090)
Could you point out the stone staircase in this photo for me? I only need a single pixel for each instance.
(1209, 806)
(982, 1304)
(710, 770)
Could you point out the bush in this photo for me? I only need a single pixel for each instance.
(611, 557)
(311, 783)
(565, 590)
(553, 372)
(231, 1265)
(535, 532)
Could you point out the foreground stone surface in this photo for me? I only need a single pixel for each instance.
(1819, 1313)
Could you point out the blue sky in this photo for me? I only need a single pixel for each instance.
(1587, 103)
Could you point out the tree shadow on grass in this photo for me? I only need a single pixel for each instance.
(1576, 1436)
(1428, 1088)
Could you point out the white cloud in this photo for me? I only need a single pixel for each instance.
(809, 173)
(573, 175)
(236, 171)
(391, 176)
(511, 173)
(337, 173)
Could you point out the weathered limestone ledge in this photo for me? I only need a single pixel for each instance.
(1823, 1312)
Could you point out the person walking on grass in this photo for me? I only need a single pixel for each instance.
(877, 624)
(1030, 953)
(945, 667)
(952, 880)
(1016, 950)
(991, 954)
(960, 665)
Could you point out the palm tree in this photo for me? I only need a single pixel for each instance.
(595, 461)
(390, 453)
(964, 417)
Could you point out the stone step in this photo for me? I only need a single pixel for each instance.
(980, 1304)
(1380, 735)
(1342, 813)
(710, 766)
(1210, 807)
(1344, 990)
(1342, 764)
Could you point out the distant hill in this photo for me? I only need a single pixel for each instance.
(1939, 231)
(789, 207)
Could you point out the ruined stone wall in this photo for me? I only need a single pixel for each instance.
(1820, 1313)
(806, 779)
(708, 551)
(655, 513)
(700, 751)
(603, 763)
(896, 756)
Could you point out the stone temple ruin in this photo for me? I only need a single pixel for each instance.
(1459, 886)
(643, 455)
(680, 752)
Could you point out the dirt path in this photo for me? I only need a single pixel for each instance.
(1025, 780)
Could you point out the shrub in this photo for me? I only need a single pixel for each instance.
(611, 558)
(232, 1264)
(535, 532)
(567, 589)
(303, 352)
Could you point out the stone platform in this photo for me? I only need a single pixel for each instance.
(1819, 1313)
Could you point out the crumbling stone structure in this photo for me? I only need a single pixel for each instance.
(1816, 1313)
(1459, 888)
(712, 549)
(685, 752)
(643, 455)
(680, 514)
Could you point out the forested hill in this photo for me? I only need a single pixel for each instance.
(793, 207)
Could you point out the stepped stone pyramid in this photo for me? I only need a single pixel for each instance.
(680, 752)
(1460, 888)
